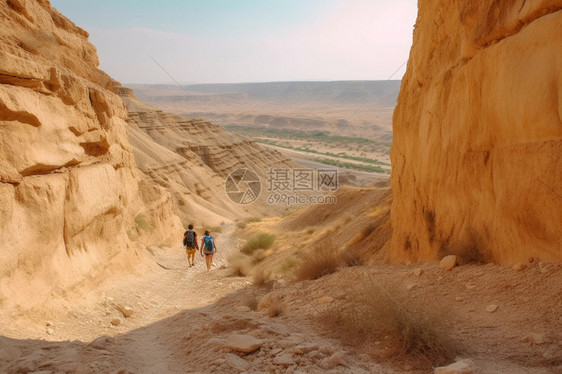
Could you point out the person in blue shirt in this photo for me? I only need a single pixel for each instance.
(208, 248)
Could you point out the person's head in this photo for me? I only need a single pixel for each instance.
(207, 233)
(190, 226)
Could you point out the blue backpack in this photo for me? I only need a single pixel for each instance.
(208, 245)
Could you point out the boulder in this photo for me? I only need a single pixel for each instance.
(243, 343)
(448, 262)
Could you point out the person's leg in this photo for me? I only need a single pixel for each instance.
(191, 257)
(208, 259)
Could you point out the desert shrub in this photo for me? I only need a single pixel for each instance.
(215, 229)
(318, 262)
(262, 241)
(143, 222)
(239, 266)
(258, 256)
(262, 279)
(275, 309)
(288, 265)
(242, 224)
(371, 317)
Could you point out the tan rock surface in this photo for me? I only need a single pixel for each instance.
(477, 148)
(192, 158)
(70, 193)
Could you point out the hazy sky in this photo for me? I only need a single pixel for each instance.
(211, 41)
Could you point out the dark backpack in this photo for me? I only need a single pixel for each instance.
(189, 239)
(209, 245)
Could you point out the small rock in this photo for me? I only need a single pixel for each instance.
(418, 272)
(325, 300)
(536, 338)
(127, 311)
(470, 286)
(338, 358)
(100, 343)
(243, 343)
(491, 308)
(459, 298)
(116, 322)
(448, 262)
(276, 351)
(297, 351)
(306, 348)
(460, 367)
(50, 331)
(49, 324)
(242, 308)
(236, 362)
(519, 266)
(410, 286)
(285, 359)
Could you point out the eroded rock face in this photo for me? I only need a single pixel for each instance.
(477, 151)
(191, 158)
(71, 198)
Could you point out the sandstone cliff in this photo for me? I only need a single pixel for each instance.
(192, 159)
(71, 198)
(477, 151)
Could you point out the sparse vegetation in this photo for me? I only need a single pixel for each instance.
(288, 265)
(144, 223)
(376, 323)
(215, 229)
(350, 165)
(262, 241)
(239, 266)
(242, 224)
(262, 278)
(275, 309)
(318, 262)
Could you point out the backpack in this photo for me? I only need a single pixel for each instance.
(209, 246)
(189, 239)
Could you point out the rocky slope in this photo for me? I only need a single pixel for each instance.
(477, 152)
(192, 159)
(71, 199)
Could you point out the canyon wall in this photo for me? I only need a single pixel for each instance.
(71, 199)
(192, 158)
(477, 150)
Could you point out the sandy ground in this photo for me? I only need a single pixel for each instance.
(185, 320)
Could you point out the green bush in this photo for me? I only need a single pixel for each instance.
(144, 223)
(262, 241)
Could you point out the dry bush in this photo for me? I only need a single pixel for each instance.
(275, 309)
(373, 321)
(262, 279)
(258, 256)
(319, 261)
(239, 266)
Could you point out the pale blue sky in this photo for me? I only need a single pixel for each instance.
(246, 40)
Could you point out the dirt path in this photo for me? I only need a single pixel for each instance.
(184, 320)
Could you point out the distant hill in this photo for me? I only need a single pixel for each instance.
(350, 108)
(382, 92)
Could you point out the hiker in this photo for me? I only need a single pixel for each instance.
(190, 244)
(208, 248)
